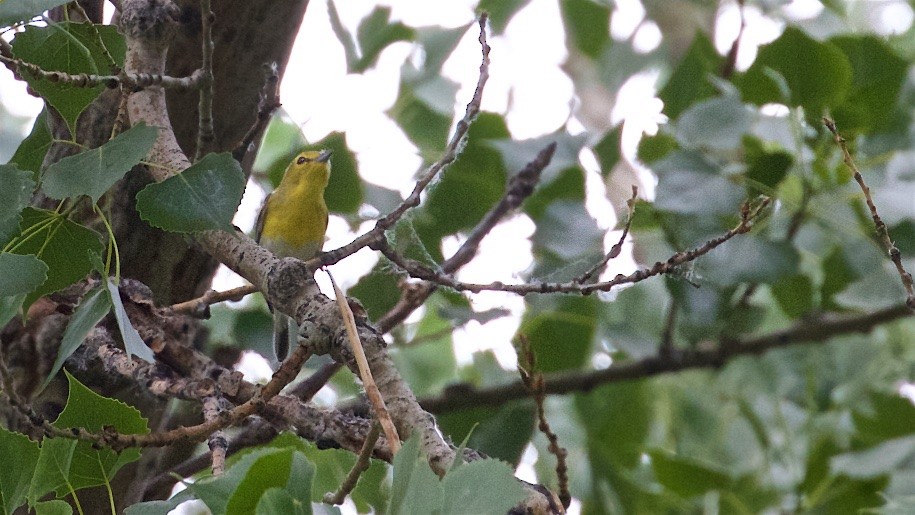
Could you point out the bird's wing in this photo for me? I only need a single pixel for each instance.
(259, 223)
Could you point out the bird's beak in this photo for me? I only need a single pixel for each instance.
(324, 156)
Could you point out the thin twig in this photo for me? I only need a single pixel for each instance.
(118, 441)
(730, 62)
(452, 150)
(535, 384)
(616, 248)
(268, 104)
(133, 81)
(257, 433)
(362, 464)
(882, 231)
(462, 396)
(217, 441)
(205, 134)
(365, 373)
(421, 271)
(311, 385)
(520, 187)
(667, 335)
(199, 307)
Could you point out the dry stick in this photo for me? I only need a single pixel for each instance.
(520, 187)
(882, 231)
(217, 440)
(421, 271)
(362, 464)
(205, 134)
(258, 434)
(462, 396)
(132, 81)
(618, 247)
(730, 62)
(452, 150)
(534, 383)
(667, 335)
(269, 102)
(197, 307)
(309, 387)
(365, 373)
(117, 441)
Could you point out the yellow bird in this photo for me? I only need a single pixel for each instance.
(292, 224)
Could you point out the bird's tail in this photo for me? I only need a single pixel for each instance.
(285, 333)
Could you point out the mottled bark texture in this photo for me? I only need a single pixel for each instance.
(247, 36)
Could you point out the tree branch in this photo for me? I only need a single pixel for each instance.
(464, 396)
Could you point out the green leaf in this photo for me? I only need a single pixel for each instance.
(282, 140)
(375, 33)
(653, 148)
(794, 295)
(133, 344)
(52, 471)
(431, 365)
(470, 186)
(9, 307)
(417, 111)
(269, 471)
(377, 291)
(89, 410)
(765, 168)
(20, 456)
(689, 184)
(277, 500)
(203, 197)
(482, 487)
(817, 74)
(415, 489)
(71, 48)
(240, 488)
(501, 12)
(92, 172)
(330, 468)
(14, 11)
(215, 491)
(587, 25)
(713, 124)
(21, 274)
(502, 433)
(686, 477)
(608, 150)
(617, 419)
(749, 258)
(54, 507)
(689, 82)
(877, 461)
(91, 309)
(344, 191)
(438, 44)
(31, 152)
(878, 74)
(567, 319)
(63, 245)
(301, 476)
(889, 416)
(14, 197)
(159, 507)
(566, 242)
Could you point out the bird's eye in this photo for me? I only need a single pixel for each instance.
(301, 160)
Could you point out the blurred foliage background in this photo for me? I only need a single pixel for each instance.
(825, 428)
